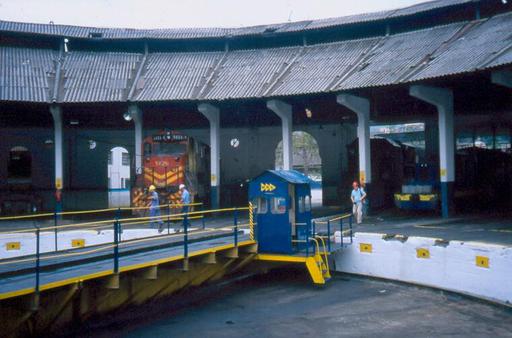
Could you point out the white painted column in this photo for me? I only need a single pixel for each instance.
(136, 114)
(442, 98)
(212, 113)
(361, 106)
(56, 112)
(284, 111)
(502, 78)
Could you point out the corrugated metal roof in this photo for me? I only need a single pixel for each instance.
(24, 73)
(427, 6)
(488, 44)
(193, 33)
(346, 20)
(400, 58)
(248, 73)
(93, 76)
(322, 66)
(176, 76)
(398, 55)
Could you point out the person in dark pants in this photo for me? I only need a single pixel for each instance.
(154, 209)
(185, 198)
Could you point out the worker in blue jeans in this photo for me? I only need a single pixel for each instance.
(185, 198)
(154, 209)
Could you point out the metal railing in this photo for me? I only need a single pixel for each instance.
(116, 224)
(330, 226)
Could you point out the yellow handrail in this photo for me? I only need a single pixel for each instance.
(92, 211)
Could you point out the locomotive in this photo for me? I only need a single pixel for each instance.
(171, 158)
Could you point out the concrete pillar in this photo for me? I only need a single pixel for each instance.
(361, 106)
(284, 111)
(442, 98)
(56, 112)
(502, 78)
(431, 140)
(212, 113)
(136, 113)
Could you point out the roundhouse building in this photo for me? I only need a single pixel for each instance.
(69, 95)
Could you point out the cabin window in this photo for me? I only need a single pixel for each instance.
(302, 204)
(260, 205)
(278, 205)
(307, 203)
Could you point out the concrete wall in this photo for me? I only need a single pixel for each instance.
(477, 269)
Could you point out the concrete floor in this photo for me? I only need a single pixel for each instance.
(285, 304)
(487, 228)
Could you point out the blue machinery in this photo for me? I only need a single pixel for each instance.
(281, 203)
(73, 281)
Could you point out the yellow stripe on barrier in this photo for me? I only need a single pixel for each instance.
(365, 247)
(12, 246)
(78, 243)
(482, 261)
(422, 253)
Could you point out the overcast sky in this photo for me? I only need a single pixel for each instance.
(185, 13)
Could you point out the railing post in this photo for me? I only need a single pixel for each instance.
(55, 223)
(168, 218)
(185, 239)
(329, 235)
(202, 218)
(350, 227)
(307, 241)
(251, 222)
(116, 245)
(119, 227)
(235, 228)
(38, 260)
(341, 232)
(314, 228)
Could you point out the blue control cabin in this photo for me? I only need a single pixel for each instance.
(281, 202)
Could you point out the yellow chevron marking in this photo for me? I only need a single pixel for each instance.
(267, 187)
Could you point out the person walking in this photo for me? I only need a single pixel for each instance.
(357, 196)
(154, 209)
(185, 198)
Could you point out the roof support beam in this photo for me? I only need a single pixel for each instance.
(136, 114)
(361, 106)
(58, 74)
(502, 78)
(442, 98)
(56, 112)
(135, 83)
(284, 111)
(212, 113)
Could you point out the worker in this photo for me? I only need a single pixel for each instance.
(185, 198)
(154, 209)
(358, 197)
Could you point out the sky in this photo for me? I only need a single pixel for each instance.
(185, 13)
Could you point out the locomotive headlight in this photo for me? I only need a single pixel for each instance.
(92, 144)
(127, 116)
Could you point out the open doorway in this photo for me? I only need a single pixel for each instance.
(307, 160)
(118, 177)
(19, 166)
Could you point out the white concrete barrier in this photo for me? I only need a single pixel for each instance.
(26, 242)
(477, 269)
